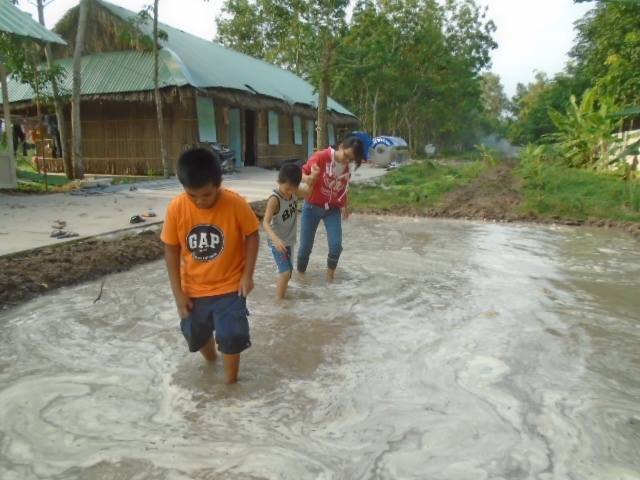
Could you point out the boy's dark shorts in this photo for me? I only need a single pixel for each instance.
(227, 315)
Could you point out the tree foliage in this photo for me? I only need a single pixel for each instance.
(607, 50)
(405, 67)
(583, 133)
(25, 60)
(605, 65)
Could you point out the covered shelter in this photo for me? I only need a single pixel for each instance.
(210, 93)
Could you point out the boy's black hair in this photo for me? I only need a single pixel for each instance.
(290, 173)
(199, 167)
(353, 142)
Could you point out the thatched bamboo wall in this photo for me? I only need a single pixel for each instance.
(121, 138)
(120, 134)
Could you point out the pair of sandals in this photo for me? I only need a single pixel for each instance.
(59, 232)
(141, 218)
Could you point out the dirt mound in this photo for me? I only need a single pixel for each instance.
(494, 195)
(23, 276)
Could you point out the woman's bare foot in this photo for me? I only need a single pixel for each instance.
(331, 273)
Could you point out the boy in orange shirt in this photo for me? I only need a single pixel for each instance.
(211, 245)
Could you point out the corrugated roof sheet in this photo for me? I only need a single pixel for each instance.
(15, 21)
(113, 72)
(186, 60)
(209, 64)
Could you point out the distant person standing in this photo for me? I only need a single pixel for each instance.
(328, 199)
(51, 122)
(19, 137)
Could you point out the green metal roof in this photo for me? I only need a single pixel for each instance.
(15, 21)
(209, 64)
(185, 60)
(113, 72)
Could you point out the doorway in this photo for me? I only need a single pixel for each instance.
(250, 138)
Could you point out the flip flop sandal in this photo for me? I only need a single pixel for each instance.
(68, 235)
(136, 219)
(149, 214)
(59, 224)
(57, 233)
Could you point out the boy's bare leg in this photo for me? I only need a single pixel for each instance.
(231, 366)
(209, 350)
(282, 284)
(331, 273)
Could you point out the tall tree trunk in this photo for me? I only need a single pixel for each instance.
(324, 91)
(59, 106)
(410, 136)
(363, 105)
(166, 168)
(78, 160)
(12, 180)
(374, 130)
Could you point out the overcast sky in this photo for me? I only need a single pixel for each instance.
(532, 35)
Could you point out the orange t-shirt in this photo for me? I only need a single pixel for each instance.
(211, 242)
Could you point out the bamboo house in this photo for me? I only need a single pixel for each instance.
(210, 93)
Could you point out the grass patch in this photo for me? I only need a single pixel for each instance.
(30, 181)
(131, 179)
(557, 191)
(34, 177)
(420, 184)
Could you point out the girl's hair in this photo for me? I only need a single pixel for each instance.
(353, 142)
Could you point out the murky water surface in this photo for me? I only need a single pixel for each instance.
(444, 351)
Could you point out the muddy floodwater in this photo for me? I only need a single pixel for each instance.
(445, 350)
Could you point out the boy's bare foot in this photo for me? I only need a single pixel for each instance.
(330, 275)
(209, 351)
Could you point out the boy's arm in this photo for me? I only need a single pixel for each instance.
(172, 260)
(251, 243)
(272, 204)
